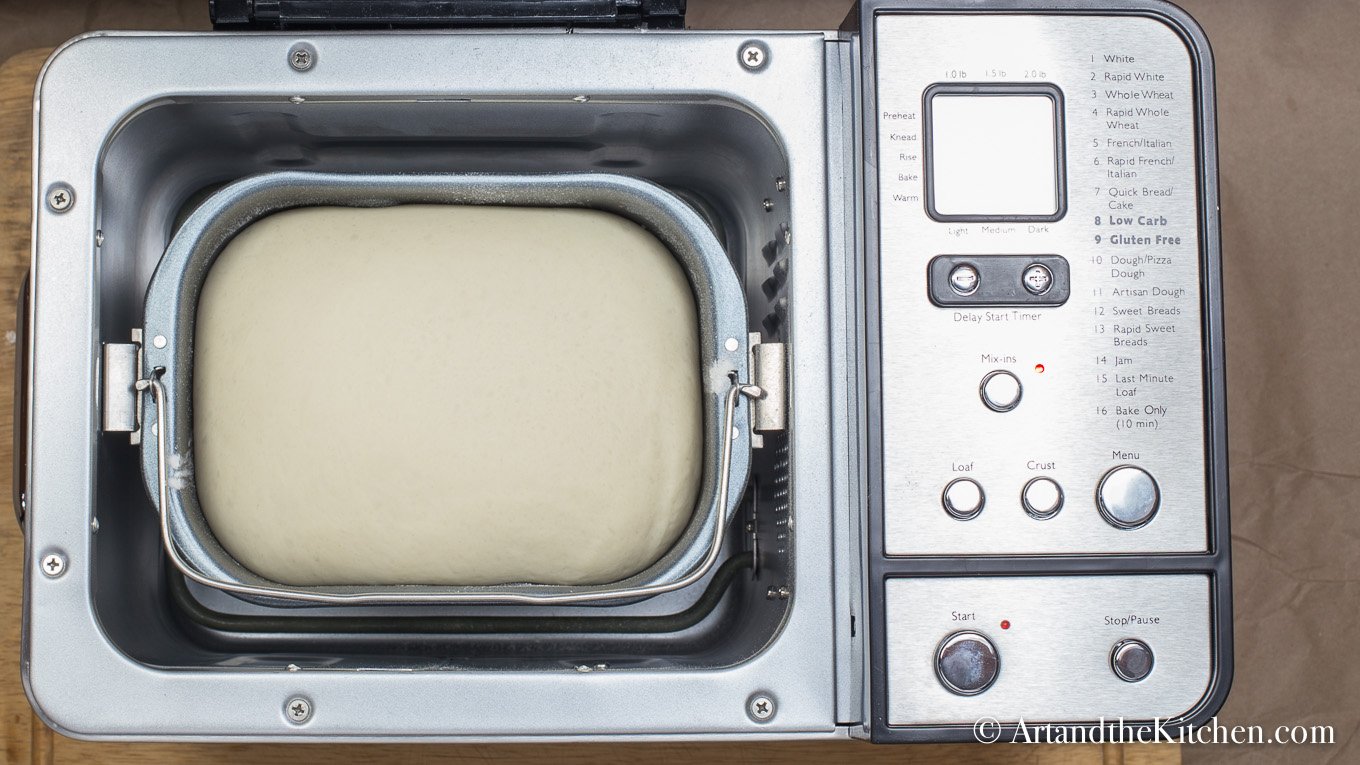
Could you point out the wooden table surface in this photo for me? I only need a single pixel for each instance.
(27, 740)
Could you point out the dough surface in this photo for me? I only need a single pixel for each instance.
(453, 395)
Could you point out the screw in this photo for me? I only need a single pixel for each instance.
(781, 183)
(302, 57)
(298, 710)
(53, 565)
(760, 708)
(754, 56)
(60, 197)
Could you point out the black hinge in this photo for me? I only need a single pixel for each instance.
(436, 14)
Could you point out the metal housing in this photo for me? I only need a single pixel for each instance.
(141, 147)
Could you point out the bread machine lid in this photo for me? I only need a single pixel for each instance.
(444, 14)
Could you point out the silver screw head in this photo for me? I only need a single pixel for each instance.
(301, 57)
(53, 565)
(754, 56)
(298, 710)
(760, 707)
(964, 279)
(60, 197)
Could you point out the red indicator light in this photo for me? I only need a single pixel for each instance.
(1039, 369)
(1005, 624)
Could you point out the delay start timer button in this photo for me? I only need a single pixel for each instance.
(1000, 391)
(1037, 279)
(1131, 660)
(967, 663)
(963, 498)
(964, 279)
(1128, 497)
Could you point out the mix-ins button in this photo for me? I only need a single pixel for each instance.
(1001, 390)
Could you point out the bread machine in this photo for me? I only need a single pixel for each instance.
(960, 447)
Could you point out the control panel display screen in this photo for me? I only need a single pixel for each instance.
(993, 155)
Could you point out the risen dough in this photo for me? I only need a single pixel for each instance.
(446, 395)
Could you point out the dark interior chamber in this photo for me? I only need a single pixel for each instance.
(721, 159)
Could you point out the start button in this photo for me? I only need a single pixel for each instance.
(967, 663)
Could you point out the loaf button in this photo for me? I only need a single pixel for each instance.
(963, 498)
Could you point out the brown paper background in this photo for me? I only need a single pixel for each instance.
(1289, 129)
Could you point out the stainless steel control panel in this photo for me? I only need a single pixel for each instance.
(1046, 649)
(1039, 285)
(1047, 515)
